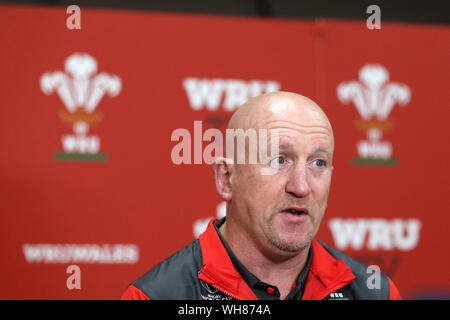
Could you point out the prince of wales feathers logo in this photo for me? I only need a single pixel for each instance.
(374, 97)
(80, 90)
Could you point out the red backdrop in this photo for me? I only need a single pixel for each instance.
(100, 190)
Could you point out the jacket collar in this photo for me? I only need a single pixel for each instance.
(326, 273)
(218, 269)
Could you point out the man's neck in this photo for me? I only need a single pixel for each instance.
(281, 272)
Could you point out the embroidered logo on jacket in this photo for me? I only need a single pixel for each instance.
(336, 296)
(209, 292)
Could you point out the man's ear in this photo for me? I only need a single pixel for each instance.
(223, 168)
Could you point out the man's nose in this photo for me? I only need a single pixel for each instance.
(298, 184)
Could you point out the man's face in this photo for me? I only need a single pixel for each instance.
(284, 210)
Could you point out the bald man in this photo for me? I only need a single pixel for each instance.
(265, 247)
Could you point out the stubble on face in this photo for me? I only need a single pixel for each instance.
(274, 238)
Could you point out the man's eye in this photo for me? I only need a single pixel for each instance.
(278, 160)
(319, 163)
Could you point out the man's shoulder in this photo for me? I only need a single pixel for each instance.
(369, 283)
(358, 268)
(174, 276)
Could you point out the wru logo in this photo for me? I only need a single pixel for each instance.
(80, 90)
(374, 98)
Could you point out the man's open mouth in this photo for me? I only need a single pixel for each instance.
(295, 211)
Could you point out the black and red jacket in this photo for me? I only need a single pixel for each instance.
(203, 270)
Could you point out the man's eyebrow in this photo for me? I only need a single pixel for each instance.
(285, 146)
(322, 149)
(288, 145)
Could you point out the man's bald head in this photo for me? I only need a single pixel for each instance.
(270, 109)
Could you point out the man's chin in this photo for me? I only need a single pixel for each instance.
(292, 246)
(289, 238)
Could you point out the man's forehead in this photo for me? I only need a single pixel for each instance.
(278, 106)
(313, 132)
(285, 111)
(321, 144)
(302, 115)
(284, 108)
